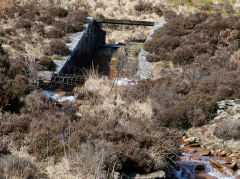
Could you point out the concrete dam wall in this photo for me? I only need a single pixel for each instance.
(80, 57)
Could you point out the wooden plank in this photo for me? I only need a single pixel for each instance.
(126, 22)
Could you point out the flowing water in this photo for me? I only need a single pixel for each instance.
(198, 163)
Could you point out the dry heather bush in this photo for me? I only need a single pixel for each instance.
(21, 23)
(54, 33)
(98, 86)
(87, 163)
(47, 19)
(92, 161)
(16, 167)
(14, 124)
(44, 146)
(228, 130)
(7, 4)
(143, 6)
(193, 103)
(58, 12)
(13, 85)
(235, 58)
(56, 47)
(121, 141)
(203, 48)
(38, 28)
(46, 63)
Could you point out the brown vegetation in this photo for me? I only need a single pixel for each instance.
(127, 143)
(16, 167)
(56, 47)
(228, 130)
(200, 50)
(144, 6)
(115, 129)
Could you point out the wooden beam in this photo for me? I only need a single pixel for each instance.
(126, 22)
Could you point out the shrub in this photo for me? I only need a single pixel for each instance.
(39, 28)
(56, 47)
(58, 12)
(22, 23)
(66, 27)
(46, 63)
(143, 6)
(16, 167)
(13, 85)
(14, 124)
(198, 35)
(78, 16)
(47, 19)
(158, 11)
(228, 130)
(45, 145)
(54, 33)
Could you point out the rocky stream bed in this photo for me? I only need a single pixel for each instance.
(200, 163)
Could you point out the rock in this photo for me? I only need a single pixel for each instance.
(195, 157)
(234, 166)
(212, 152)
(194, 145)
(116, 175)
(191, 140)
(216, 163)
(205, 176)
(222, 154)
(228, 160)
(1, 116)
(200, 167)
(206, 153)
(78, 114)
(155, 175)
(234, 156)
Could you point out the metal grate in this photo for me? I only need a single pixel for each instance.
(63, 81)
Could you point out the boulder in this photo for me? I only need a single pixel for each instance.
(78, 114)
(200, 167)
(155, 175)
(191, 140)
(228, 160)
(206, 153)
(205, 176)
(216, 163)
(212, 152)
(194, 145)
(222, 154)
(234, 166)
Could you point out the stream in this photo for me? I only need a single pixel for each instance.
(199, 163)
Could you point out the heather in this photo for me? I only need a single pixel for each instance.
(109, 128)
(198, 67)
